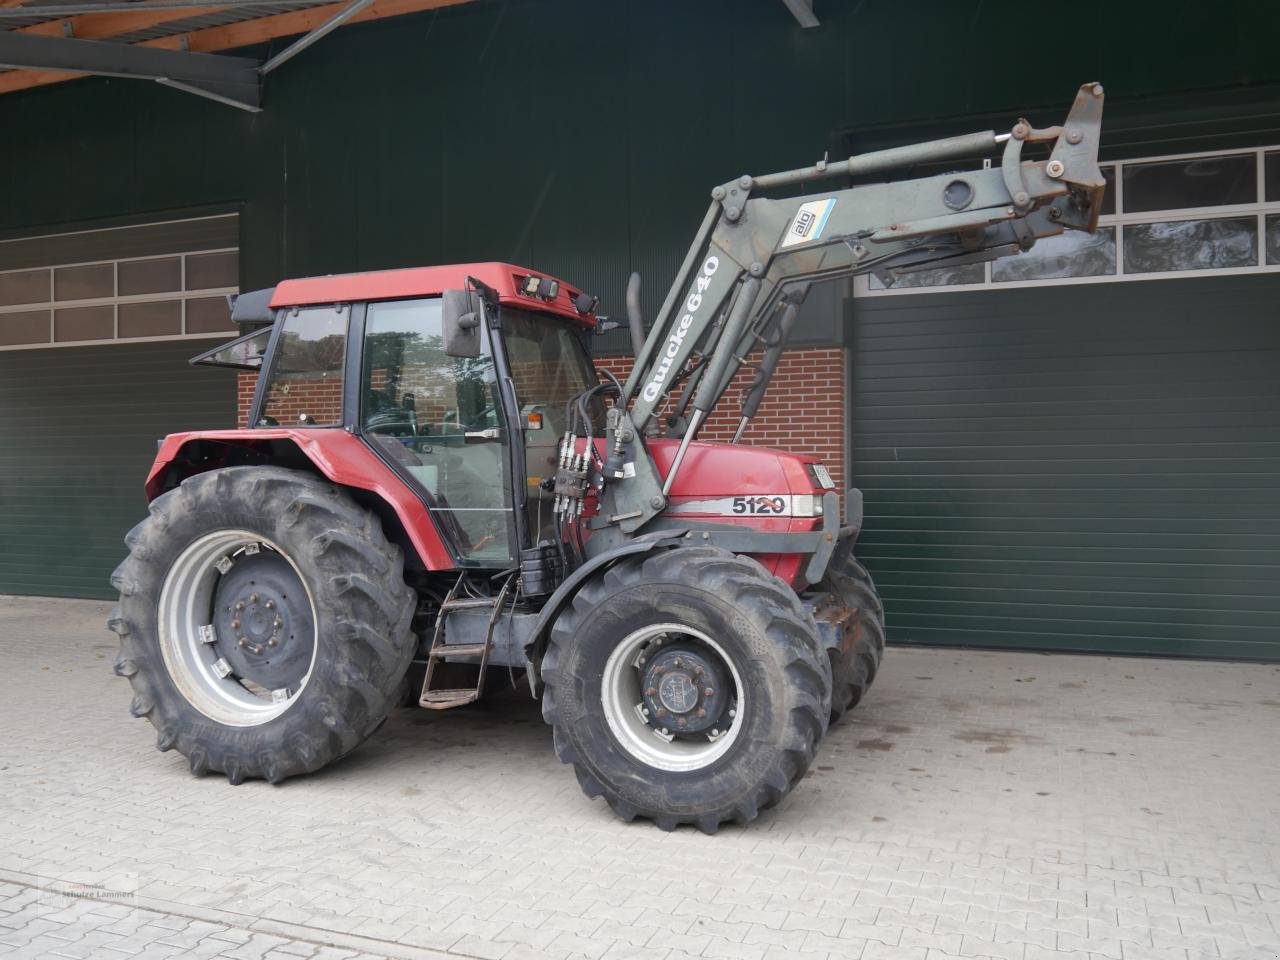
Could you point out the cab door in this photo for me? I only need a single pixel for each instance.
(439, 421)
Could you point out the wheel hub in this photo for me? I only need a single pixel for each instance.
(263, 622)
(684, 690)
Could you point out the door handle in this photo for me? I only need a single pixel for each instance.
(491, 433)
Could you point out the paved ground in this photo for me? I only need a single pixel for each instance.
(980, 805)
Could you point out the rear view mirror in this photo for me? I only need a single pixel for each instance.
(461, 323)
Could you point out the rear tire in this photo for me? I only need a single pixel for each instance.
(853, 672)
(338, 658)
(769, 693)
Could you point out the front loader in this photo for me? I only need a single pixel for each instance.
(437, 495)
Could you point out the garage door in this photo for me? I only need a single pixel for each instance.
(1078, 448)
(1088, 467)
(93, 370)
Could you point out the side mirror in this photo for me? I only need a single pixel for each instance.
(461, 323)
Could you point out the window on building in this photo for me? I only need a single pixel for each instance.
(1161, 216)
(155, 281)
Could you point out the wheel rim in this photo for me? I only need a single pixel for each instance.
(644, 692)
(254, 672)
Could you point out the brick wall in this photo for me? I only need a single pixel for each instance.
(802, 412)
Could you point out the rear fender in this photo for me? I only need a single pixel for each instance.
(334, 454)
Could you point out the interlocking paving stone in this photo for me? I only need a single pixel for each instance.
(1003, 805)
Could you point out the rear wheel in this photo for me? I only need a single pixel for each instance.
(263, 622)
(686, 687)
(853, 670)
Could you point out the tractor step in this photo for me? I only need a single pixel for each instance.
(445, 699)
(441, 649)
(469, 604)
(459, 650)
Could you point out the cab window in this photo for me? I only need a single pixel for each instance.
(304, 388)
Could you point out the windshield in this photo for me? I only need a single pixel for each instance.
(549, 366)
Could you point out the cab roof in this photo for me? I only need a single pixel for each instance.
(506, 278)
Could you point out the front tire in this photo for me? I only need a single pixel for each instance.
(854, 670)
(689, 686)
(263, 622)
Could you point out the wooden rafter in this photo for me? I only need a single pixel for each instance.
(216, 39)
(98, 26)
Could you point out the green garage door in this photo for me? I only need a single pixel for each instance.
(77, 437)
(96, 326)
(1092, 467)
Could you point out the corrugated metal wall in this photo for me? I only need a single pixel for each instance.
(1083, 467)
(78, 434)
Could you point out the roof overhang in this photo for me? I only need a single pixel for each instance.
(172, 42)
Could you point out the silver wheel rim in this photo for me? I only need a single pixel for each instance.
(620, 696)
(186, 600)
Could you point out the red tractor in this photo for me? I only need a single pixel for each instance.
(438, 493)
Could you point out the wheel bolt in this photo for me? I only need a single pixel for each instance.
(240, 606)
(241, 642)
(701, 712)
(271, 642)
(651, 692)
(253, 598)
(709, 692)
(235, 624)
(682, 723)
(271, 604)
(676, 662)
(660, 712)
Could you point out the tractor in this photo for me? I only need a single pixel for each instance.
(437, 495)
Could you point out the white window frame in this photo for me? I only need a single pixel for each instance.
(1260, 210)
(116, 299)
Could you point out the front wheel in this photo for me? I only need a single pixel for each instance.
(263, 622)
(689, 686)
(854, 668)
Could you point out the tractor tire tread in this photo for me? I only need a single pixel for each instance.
(358, 588)
(775, 611)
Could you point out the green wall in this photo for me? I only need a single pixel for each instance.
(578, 136)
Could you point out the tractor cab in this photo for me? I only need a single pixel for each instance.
(458, 378)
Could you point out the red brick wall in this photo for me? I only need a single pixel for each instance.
(245, 384)
(802, 412)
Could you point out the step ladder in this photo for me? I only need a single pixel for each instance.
(446, 699)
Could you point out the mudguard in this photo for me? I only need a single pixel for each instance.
(332, 452)
(645, 543)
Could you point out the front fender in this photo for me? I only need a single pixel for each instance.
(645, 543)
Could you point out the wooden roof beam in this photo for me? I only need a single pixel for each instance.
(99, 26)
(232, 35)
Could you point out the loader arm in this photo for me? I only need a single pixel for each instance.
(754, 258)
